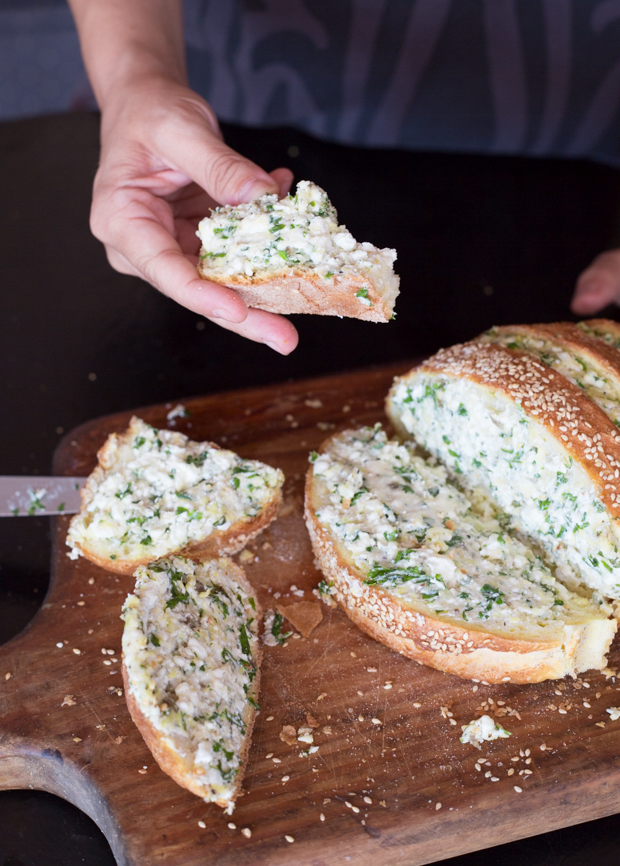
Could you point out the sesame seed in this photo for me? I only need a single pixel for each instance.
(232, 826)
(276, 760)
(376, 721)
(60, 644)
(322, 816)
(518, 789)
(368, 800)
(202, 825)
(285, 778)
(437, 807)
(77, 651)
(269, 719)
(246, 832)
(290, 839)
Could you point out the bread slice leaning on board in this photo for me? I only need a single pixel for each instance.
(290, 255)
(155, 492)
(191, 669)
(435, 574)
(505, 422)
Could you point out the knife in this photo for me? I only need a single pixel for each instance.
(23, 495)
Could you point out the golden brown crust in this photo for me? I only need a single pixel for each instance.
(466, 652)
(296, 290)
(583, 430)
(162, 748)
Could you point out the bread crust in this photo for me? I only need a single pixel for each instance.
(605, 325)
(583, 430)
(466, 652)
(299, 290)
(162, 747)
(219, 543)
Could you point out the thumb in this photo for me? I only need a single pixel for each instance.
(194, 148)
(599, 285)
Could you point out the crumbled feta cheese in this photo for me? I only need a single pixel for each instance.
(483, 730)
(300, 230)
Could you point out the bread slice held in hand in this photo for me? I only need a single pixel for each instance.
(156, 492)
(291, 256)
(435, 574)
(505, 422)
(191, 659)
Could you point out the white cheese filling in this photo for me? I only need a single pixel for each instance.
(580, 371)
(300, 230)
(414, 534)
(189, 643)
(483, 730)
(488, 441)
(166, 491)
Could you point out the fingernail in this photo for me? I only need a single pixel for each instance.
(275, 347)
(255, 189)
(224, 314)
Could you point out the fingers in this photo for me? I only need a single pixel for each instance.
(274, 331)
(599, 285)
(284, 178)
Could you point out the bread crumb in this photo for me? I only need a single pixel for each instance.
(69, 701)
(614, 712)
(327, 729)
(303, 615)
(288, 735)
(311, 721)
(321, 696)
(246, 556)
(383, 803)
(77, 739)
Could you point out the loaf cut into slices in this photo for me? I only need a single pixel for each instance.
(191, 659)
(435, 574)
(604, 329)
(503, 421)
(291, 256)
(156, 492)
(584, 360)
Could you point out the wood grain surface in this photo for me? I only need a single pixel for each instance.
(390, 782)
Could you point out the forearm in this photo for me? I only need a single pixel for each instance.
(124, 41)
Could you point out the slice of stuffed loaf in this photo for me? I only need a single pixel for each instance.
(291, 256)
(604, 329)
(191, 658)
(417, 566)
(584, 360)
(503, 421)
(155, 492)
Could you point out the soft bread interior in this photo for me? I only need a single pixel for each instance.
(191, 657)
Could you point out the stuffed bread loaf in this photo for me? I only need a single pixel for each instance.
(549, 457)
(191, 658)
(436, 575)
(155, 492)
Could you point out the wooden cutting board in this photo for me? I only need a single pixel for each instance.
(390, 782)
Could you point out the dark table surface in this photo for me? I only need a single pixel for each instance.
(481, 241)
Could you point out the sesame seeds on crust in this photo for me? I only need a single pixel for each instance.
(584, 431)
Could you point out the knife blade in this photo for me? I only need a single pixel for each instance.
(27, 495)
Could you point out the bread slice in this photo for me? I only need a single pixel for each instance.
(155, 492)
(604, 329)
(191, 662)
(291, 256)
(505, 422)
(417, 566)
(584, 360)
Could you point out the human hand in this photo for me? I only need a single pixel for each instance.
(163, 166)
(598, 285)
